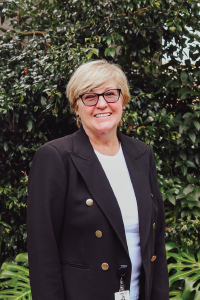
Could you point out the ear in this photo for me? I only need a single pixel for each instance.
(123, 104)
(76, 110)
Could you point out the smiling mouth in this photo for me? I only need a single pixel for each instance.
(102, 115)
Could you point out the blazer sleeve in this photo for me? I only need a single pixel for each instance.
(46, 201)
(160, 281)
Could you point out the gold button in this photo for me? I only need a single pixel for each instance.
(105, 266)
(154, 225)
(89, 202)
(98, 234)
(151, 195)
(153, 258)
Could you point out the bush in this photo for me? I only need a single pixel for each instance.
(164, 109)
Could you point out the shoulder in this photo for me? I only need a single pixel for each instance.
(62, 145)
(55, 152)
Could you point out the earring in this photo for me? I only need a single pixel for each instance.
(77, 116)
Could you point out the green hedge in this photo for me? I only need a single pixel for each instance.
(164, 110)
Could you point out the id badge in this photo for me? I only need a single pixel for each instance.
(123, 295)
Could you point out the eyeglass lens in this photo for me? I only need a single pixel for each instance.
(109, 96)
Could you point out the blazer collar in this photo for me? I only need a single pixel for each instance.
(92, 172)
(83, 148)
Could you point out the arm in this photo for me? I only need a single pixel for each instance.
(160, 282)
(46, 201)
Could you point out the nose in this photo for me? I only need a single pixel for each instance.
(102, 102)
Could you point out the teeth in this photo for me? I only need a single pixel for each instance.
(102, 115)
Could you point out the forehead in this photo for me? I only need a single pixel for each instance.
(105, 86)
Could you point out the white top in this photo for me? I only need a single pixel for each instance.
(118, 176)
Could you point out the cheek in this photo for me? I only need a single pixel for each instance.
(117, 107)
(86, 111)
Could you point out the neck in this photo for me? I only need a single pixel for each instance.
(104, 142)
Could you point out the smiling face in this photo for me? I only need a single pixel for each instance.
(103, 117)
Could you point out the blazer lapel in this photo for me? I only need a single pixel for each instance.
(92, 172)
(139, 173)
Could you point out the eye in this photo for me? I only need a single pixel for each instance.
(111, 93)
(89, 96)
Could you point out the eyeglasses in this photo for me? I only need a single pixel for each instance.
(110, 96)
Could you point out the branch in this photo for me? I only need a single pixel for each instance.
(24, 33)
(87, 26)
(178, 12)
(32, 33)
(79, 12)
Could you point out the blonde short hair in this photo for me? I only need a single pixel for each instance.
(92, 74)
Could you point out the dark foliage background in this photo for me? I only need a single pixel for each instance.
(38, 54)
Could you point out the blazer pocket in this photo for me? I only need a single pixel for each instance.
(74, 265)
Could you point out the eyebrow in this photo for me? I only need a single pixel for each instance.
(107, 88)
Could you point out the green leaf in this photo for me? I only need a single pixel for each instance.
(197, 74)
(131, 6)
(190, 164)
(183, 92)
(188, 189)
(184, 169)
(178, 164)
(95, 51)
(178, 26)
(22, 257)
(197, 113)
(175, 84)
(169, 24)
(183, 128)
(171, 198)
(184, 77)
(5, 147)
(184, 95)
(192, 136)
(180, 140)
(107, 51)
(192, 200)
(175, 295)
(17, 279)
(51, 68)
(170, 246)
(180, 196)
(182, 155)
(186, 268)
(109, 41)
(46, 67)
(5, 225)
(197, 159)
(30, 125)
(112, 52)
(121, 38)
(191, 78)
(191, 179)
(196, 124)
(43, 101)
(187, 115)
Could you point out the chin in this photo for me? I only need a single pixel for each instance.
(105, 127)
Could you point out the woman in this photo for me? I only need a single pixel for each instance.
(96, 219)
